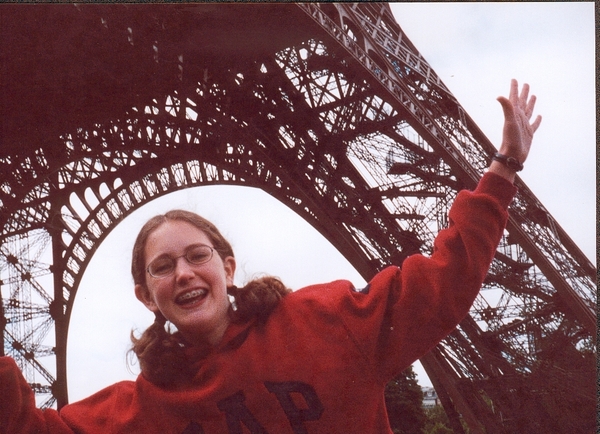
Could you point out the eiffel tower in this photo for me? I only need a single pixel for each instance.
(327, 107)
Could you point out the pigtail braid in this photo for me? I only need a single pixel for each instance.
(161, 356)
(257, 299)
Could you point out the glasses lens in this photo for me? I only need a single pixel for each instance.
(165, 265)
(161, 266)
(199, 254)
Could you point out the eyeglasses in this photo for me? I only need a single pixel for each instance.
(163, 266)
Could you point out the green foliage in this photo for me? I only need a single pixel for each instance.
(437, 421)
(404, 402)
(438, 428)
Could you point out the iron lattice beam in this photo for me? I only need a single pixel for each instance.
(327, 107)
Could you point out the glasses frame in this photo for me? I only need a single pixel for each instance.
(185, 255)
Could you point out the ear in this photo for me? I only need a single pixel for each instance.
(143, 294)
(229, 265)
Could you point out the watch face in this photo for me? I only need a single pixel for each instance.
(512, 163)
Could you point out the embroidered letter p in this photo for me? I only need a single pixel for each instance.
(295, 415)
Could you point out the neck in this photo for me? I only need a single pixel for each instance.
(211, 338)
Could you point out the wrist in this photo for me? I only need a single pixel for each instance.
(508, 161)
(500, 169)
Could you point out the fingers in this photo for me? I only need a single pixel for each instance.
(524, 96)
(535, 125)
(522, 101)
(518, 109)
(530, 106)
(519, 101)
(514, 92)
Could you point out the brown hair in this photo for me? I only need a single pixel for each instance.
(161, 355)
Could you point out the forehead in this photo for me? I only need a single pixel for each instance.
(173, 237)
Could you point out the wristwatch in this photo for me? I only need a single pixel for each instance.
(510, 162)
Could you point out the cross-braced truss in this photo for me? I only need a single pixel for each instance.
(327, 107)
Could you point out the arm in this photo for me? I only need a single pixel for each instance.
(405, 311)
(18, 412)
(417, 306)
(435, 293)
(442, 288)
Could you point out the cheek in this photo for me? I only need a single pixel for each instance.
(219, 285)
(160, 290)
(219, 274)
(222, 282)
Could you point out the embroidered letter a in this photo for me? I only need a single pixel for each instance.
(237, 413)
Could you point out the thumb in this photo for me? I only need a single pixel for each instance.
(507, 107)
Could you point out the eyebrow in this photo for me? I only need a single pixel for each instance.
(166, 255)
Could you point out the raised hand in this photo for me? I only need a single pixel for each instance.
(518, 130)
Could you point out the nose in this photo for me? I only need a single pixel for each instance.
(183, 270)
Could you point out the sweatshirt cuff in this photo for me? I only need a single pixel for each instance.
(495, 185)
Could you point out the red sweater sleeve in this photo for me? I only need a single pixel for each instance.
(413, 308)
(18, 412)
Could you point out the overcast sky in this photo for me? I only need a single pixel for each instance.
(476, 48)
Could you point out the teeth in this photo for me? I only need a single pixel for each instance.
(190, 295)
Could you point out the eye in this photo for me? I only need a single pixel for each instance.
(161, 266)
(199, 254)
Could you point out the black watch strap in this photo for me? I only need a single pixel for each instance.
(510, 162)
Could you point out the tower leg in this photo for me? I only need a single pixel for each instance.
(57, 311)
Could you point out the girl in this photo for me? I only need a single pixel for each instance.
(274, 361)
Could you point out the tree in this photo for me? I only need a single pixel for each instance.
(404, 402)
(437, 421)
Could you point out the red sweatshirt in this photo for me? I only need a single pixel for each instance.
(318, 365)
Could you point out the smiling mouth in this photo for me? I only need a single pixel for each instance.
(190, 297)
